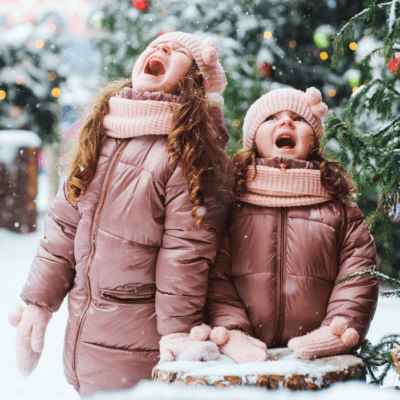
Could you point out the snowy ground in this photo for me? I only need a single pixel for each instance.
(47, 382)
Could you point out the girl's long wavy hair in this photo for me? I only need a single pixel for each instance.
(193, 142)
(334, 178)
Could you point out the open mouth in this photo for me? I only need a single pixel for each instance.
(155, 66)
(285, 141)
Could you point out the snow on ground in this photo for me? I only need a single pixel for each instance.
(47, 382)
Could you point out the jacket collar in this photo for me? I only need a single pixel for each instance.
(290, 163)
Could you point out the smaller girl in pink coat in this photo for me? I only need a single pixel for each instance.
(290, 234)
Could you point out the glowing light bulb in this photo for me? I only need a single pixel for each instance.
(267, 35)
(3, 94)
(353, 45)
(324, 55)
(39, 43)
(56, 92)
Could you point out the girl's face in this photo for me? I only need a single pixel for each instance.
(160, 67)
(284, 134)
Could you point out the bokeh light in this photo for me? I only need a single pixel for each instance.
(332, 93)
(3, 94)
(52, 76)
(321, 40)
(56, 92)
(52, 27)
(292, 43)
(354, 80)
(19, 79)
(355, 88)
(39, 43)
(353, 45)
(324, 55)
(236, 122)
(267, 35)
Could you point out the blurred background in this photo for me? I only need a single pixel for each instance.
(55, 55)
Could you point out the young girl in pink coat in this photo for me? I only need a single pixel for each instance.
(131, 234)
(290, 234)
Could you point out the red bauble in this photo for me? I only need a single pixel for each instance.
(394, 65)
(266, 69)
(141, 5)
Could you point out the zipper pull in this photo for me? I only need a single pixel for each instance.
(283, 167)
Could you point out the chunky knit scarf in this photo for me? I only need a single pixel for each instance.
(135, 113)
(283, 187)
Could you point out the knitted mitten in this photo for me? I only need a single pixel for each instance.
(188, 347)
(31, 323)
(237, 345)
(326, 341)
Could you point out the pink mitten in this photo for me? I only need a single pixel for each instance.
(326, 341)
(237, 345)
(31, 323)
(188, 347)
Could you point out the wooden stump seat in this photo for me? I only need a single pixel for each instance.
(283, 369)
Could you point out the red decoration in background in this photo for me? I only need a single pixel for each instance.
(141, 5)
(266, 69)
(394, 65)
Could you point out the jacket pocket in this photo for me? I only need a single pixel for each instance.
(144, 294)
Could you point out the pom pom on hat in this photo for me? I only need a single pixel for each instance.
(210, 55)
(350, 337)
(313, 98)
(338, 326)
(219, 335)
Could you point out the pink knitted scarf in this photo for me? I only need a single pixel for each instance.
(135, 113)
(283, 187)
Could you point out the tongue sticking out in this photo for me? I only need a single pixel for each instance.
(155, 68)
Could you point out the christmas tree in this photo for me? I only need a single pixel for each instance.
(368, 137)
(367, 132)
(31, 71)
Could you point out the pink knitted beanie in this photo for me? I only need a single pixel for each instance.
(205, 54)
(308, 105)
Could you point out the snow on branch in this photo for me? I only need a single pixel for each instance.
(392, 16)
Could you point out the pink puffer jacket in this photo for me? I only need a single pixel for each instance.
(131, 260)
(275, 272)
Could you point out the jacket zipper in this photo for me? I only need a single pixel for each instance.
(281, 305)
(93, 245)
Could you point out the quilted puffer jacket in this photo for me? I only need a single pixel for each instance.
(275, 273)
(131, 260)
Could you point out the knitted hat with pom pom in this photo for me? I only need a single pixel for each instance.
(308, 105)
(205, 54)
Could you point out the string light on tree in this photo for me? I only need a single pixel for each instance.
(267, 35)
(322, 36)
(353, 76)
(3, 94)
(141, 5)
(19, 79)
(39, 43)
(52, 76)
(353, 45)
(236, 122)
(55, 92)
(332, 92)
(323, 55)
(292, 43)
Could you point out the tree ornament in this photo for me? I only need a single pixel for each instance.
(266, 69)
(322, 36)
(141, 5)
(394, 65)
